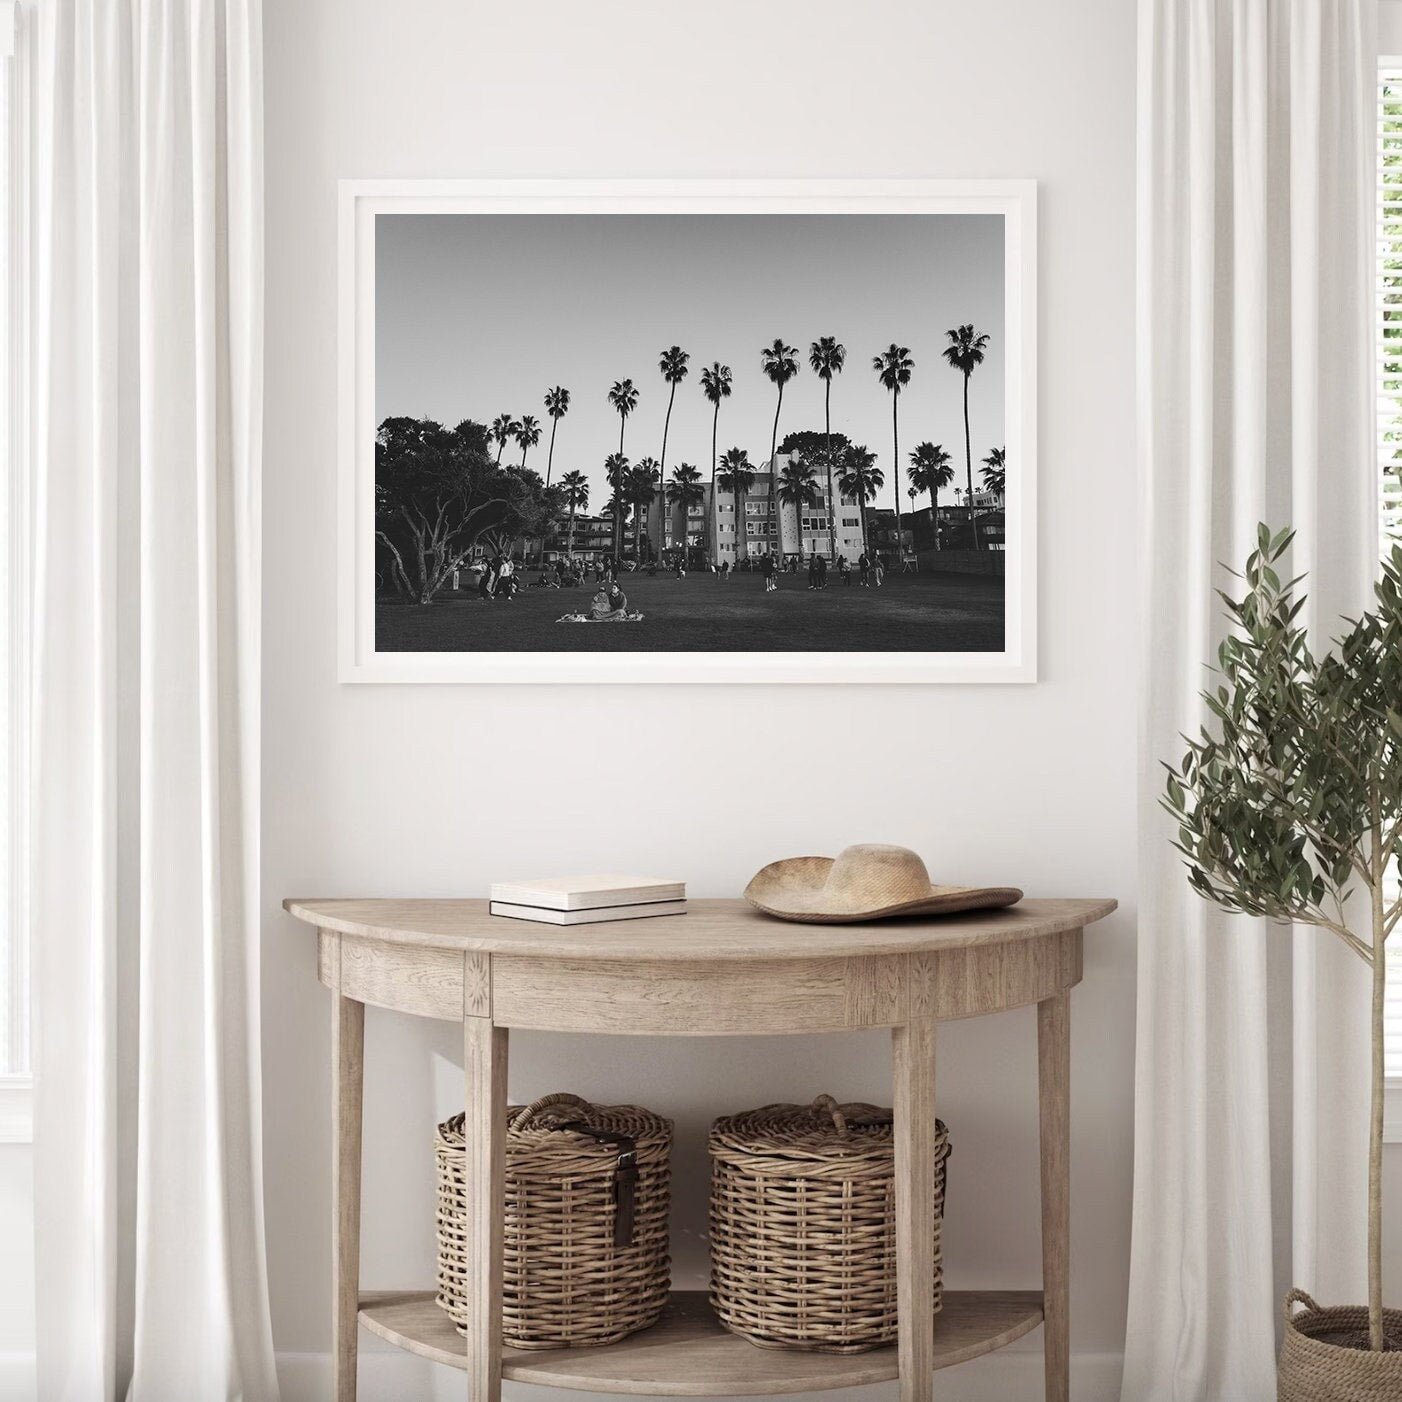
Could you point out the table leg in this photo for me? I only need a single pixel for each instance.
(485, 1063)
(347, 1097)
(1054, 1086)
(913, 1058)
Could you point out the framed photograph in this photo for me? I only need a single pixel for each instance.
(688, 430)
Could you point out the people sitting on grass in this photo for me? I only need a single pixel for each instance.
(609, 605)
(609, 602)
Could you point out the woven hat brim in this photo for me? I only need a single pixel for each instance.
(793, 889)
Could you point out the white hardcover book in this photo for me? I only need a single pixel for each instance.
(597, 915)
(588, 892)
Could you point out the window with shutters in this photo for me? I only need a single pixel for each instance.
(1388, 312)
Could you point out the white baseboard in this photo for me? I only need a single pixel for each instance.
(1012, 1375)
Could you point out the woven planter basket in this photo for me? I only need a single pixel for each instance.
(1325, 1357)
(803, 1225)
(588, 1189)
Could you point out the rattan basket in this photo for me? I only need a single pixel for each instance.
(1325, 1355)
(587, 1194)
(803, 1225)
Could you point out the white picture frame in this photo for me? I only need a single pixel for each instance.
(361, 201)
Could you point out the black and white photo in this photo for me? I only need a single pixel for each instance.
(780, 436)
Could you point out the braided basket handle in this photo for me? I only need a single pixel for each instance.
(857, 1115)
(546, 1102)
(826, 1105)
(1299, 1297)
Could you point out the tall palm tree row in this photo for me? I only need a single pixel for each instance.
(861, 479)
(624, 398)
(780, 363)
(995, 472)
(616, 475)
(827, 357)
(893, 367)
(683, 492)
(798, 487)
(672, 364)
(965, 352)
(930, 464)
(557, 405)
(715, 385)
(576, 489)
(737, 476)
(929, 471)
(643, 480)
(503, 430)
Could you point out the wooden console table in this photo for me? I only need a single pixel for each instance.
(722, 969)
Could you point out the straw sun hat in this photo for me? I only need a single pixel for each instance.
(866, 882)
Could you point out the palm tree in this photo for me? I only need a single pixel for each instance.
(715, 384)
(995, 471)
(503, 429)
(798, 488)
(616, 474)
(576, 488)
(642, 485)
(965, 351)
(624, 398)
(672, 364)
(737, 477)
(930, 470)
(557, 405)
(893, 367)
(780, 364)
(860, 479)
(527, 435)
(827, 357)
(684, 491)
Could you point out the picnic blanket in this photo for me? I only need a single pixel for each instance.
(635, 617)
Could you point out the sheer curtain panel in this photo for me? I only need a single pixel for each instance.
(147, 427)
(1255, 404)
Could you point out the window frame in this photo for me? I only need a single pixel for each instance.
(1389, 433)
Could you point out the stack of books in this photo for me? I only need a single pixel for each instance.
(584, 900)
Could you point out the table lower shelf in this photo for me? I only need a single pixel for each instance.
(688, 1354)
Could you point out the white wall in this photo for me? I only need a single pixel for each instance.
(436, 790)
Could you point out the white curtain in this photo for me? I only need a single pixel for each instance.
(1256, 207)
(147, 424)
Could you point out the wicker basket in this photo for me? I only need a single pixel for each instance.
(587, 1195)
(803, 1225)
(1325, 1357)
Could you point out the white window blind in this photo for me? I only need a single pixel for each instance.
(1388, 312)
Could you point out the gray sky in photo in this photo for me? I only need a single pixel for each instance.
(480, 314)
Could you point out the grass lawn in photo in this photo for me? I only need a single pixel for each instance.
(918, 613)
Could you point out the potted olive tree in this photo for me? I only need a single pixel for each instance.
(1289, 806)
